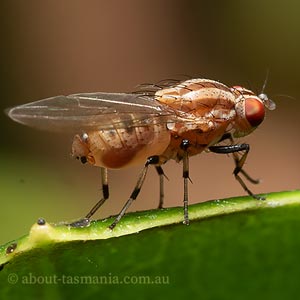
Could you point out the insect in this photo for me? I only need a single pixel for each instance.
(159, 122)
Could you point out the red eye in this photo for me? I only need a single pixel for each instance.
(254, 111)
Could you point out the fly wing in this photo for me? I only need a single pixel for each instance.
(91, 111)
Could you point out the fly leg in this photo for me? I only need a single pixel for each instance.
(161, 175)
(185, 174)
(152, 160)
(238, 161)
(105, 191)
(105, 194)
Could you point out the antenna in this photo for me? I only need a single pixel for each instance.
(265, 82)
(264, 98)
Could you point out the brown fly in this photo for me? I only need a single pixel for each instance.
(171, 120)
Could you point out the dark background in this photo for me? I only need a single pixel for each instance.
(63, 47)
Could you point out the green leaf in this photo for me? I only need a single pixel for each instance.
(236, 248)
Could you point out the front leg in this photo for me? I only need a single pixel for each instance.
(236, 158)
(239, 163)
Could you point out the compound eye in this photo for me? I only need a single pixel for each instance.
(254, 111)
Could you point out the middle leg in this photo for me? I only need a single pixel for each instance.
(186, 177)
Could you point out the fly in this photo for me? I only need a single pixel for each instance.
(170, 120)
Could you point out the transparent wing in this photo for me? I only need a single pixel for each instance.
(91, 111)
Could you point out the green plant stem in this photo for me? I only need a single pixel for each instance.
(135, 222)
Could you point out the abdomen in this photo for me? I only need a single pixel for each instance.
(120, 147)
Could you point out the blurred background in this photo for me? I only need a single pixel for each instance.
(63, 47)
